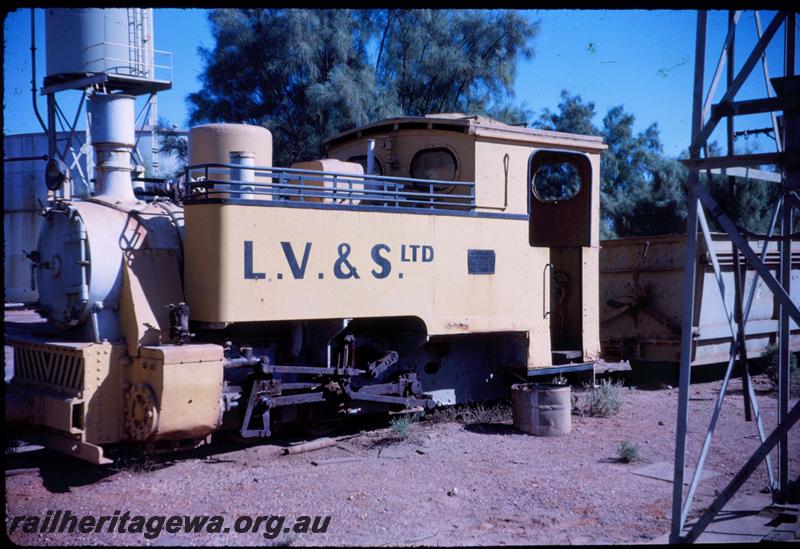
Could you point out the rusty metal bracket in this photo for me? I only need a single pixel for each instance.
(382, 364)
(259, 389)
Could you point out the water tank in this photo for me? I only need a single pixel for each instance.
(341, 190)
(87, 40)
(215, 143)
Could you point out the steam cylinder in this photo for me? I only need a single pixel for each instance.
(86, 40)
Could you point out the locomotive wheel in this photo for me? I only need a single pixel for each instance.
(141, 412)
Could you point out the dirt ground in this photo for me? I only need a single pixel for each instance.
(460, 476)
(453, 480)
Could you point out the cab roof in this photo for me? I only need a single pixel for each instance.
(480, 126)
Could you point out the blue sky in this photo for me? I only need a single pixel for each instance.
(642, 59)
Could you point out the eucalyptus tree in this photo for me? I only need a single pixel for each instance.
(309, 74)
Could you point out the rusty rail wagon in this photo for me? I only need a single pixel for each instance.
(641, 298)
(424, 261)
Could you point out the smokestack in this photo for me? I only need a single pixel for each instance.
(112, 128)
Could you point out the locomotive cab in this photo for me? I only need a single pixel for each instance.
(551, 178)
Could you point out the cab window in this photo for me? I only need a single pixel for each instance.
(556, 181)
(438, 163)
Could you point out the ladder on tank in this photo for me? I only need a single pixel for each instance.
(135, 32)
(140, 42)
(140, 57)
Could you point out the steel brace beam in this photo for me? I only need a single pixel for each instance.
(700, 198)
(690, 263)
(742, 245)
(698, 139)
(736, 334)
(786, 304)
(744, 473)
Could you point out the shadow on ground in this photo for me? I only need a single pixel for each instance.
(60, 473)
(492, 429)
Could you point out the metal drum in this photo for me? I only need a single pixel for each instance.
(541, 409)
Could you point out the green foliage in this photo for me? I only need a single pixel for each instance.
(300, 73)
(573, 116)
(557, 182)
(480, 412)
(628, 452)
(751, 203)
(450, 60)
(643, 190)
(309, 74)
(173, 143)
(473, 413)
(657, 206)
(604, 399)
(771, 362)
(559, 380)
(402, 425)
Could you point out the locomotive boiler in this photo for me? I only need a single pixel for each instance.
(426, 260)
